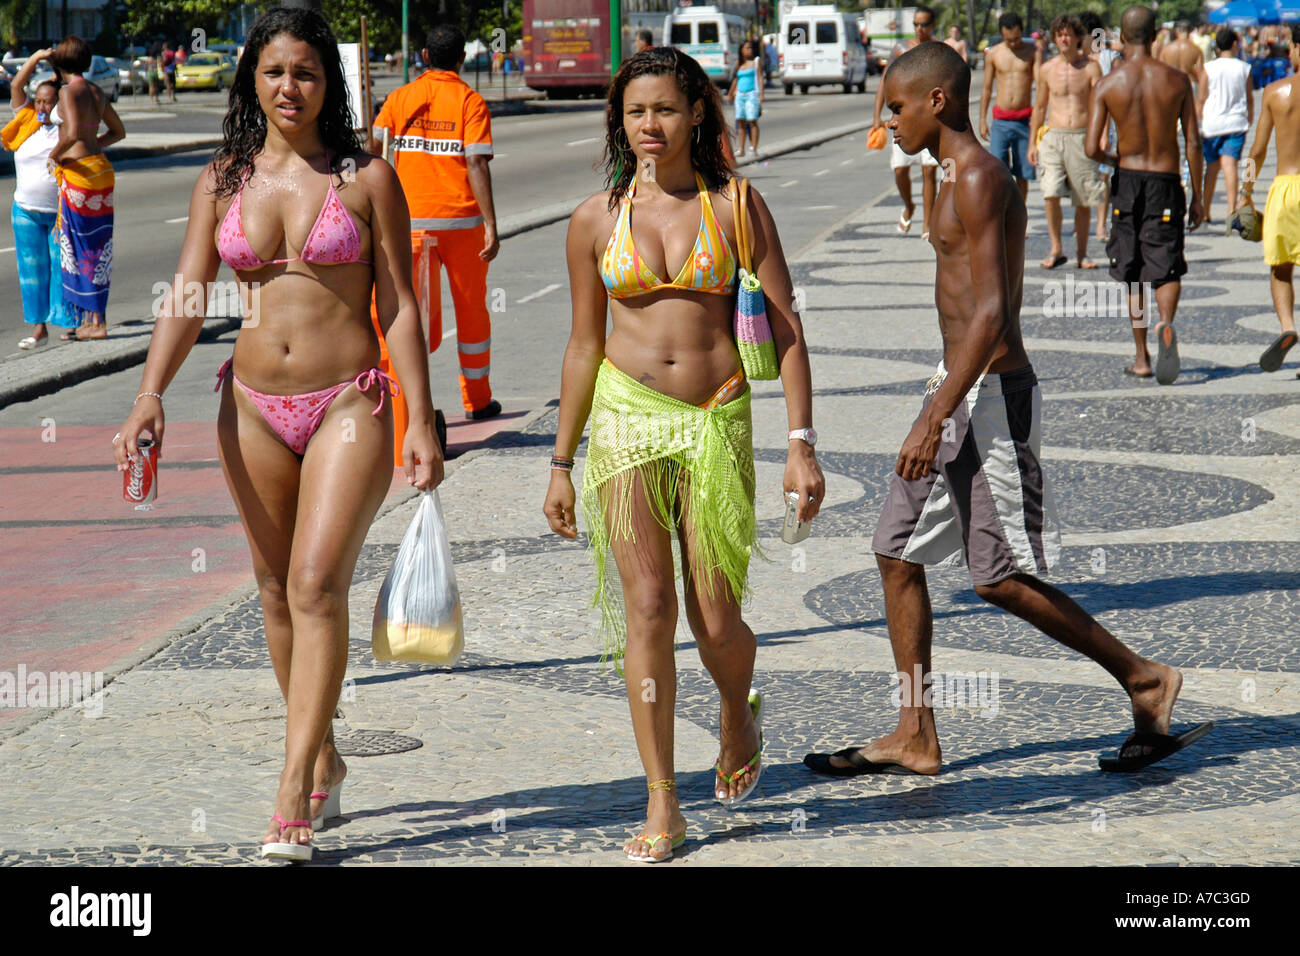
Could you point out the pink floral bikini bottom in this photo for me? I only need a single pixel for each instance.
(295, 418)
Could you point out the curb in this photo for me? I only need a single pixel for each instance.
(134, 353)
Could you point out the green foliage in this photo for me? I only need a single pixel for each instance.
(14, 16)
(148, 18)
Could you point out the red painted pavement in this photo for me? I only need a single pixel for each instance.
(85, 579)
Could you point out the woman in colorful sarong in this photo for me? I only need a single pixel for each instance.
(670, 450)
(31, 134)
(85, 189)
(304, 432)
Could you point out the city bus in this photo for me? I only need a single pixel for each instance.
(566, 42)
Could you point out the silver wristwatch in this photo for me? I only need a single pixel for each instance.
(807, 434)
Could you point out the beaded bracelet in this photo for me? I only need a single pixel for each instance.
(564, 464)
(150, 394)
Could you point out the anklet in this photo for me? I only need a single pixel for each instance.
(669, 784)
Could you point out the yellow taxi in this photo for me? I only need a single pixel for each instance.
(205, 71)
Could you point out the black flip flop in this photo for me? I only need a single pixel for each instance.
(1158, 747)
(1272, 358)
(1168, 365)
(1060, 260)
(821, 763)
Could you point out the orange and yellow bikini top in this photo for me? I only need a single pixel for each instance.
(710, 267)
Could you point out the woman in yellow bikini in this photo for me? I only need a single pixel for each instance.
(670, 446)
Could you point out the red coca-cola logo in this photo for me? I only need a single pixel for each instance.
(135, 486)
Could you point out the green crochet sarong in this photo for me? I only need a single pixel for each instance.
(704, 458)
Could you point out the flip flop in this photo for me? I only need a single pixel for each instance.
(1131, 370)
(1167, 362)
(32, 343)
(1158, 747)
(1086, 264)
(1060, 260)
(904, 224)
(821, 763)
(69, 336)
(1270, 361)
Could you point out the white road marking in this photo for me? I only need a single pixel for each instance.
(579, 142)
(845, 162)
(174, 221)
(804, 106)
(821, 172)
(790, 183)
(539, 293)
(449, 333)
(8, 249)
(820, 208)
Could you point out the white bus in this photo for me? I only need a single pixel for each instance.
(712, 37)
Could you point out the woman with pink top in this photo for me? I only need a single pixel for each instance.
(310, 224)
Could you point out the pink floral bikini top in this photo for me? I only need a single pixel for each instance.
(333, 239)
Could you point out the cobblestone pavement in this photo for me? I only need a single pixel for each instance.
(1177, 505)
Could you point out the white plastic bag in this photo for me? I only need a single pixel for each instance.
(418, 616)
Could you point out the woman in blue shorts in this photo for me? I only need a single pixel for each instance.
(747, 93)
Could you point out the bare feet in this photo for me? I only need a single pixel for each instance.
(663, 815)
(1153, 696)
(917, 750)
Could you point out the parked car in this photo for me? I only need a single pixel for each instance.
(206, 71)
(130, 73)
(8, 70)
(101, 74)
(821, 45)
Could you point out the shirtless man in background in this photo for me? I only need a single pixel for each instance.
(923, 23)
(1064, 84)
(1280, 113)
(955, 41)
(1183, 54)
(978, 493)
(1012, 65)
(1148, 99)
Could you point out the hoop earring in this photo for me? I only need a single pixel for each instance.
(697, 134)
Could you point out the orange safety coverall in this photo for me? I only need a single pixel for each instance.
(436, 121)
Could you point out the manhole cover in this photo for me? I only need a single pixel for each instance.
(372, 743)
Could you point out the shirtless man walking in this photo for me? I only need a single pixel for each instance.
(968, 482)
(1280, 112)
(1064, 83)
(1183, 54)
(1147, 100)
(1010, 64)
(900, 162)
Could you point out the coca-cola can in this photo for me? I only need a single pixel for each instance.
(140, 480)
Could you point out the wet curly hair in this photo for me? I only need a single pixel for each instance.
(707, 157)
(244, 127)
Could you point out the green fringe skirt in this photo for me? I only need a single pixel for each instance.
(685, 455)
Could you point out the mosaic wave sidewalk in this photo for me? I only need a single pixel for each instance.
(1178, 506)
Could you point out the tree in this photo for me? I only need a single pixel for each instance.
(14, 16)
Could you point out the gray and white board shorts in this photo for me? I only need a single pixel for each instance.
(985, 503)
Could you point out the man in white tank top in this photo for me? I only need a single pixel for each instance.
(1226, 106)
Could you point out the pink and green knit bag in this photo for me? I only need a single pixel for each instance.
(753, 331)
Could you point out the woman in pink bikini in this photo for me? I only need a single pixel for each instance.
(310, 224)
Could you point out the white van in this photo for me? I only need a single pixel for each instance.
(820, 45)
(712, 37)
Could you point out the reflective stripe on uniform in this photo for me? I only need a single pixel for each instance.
(476, 348)
(468, 222)
(475, 372)
(478, 149)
